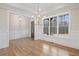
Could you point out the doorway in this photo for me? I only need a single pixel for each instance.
(32, 29)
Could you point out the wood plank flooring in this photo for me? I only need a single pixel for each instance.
(29, 47)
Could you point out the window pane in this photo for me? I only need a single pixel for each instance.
(60, 30)
(53, 21)
(63, 24)
(45, 30)
(53, 25)
(53, 30)
(66, 18)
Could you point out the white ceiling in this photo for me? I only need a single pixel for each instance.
(33, 8)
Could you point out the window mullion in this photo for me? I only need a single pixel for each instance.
(49, 27)
(57, 25)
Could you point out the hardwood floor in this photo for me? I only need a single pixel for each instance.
(29, 47)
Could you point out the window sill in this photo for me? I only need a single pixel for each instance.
(60, 35)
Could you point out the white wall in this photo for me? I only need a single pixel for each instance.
(19, 26)
(74, 33)
(4, 28)
(70, 40)
(13, 26)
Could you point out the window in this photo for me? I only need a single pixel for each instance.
(53, 25)
(46, 26)
(63, 24)
(58, 24)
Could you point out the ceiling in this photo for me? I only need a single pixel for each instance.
(38, 8)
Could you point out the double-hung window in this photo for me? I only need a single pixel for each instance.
(63, 24)
(46, 26)
(53, 25)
